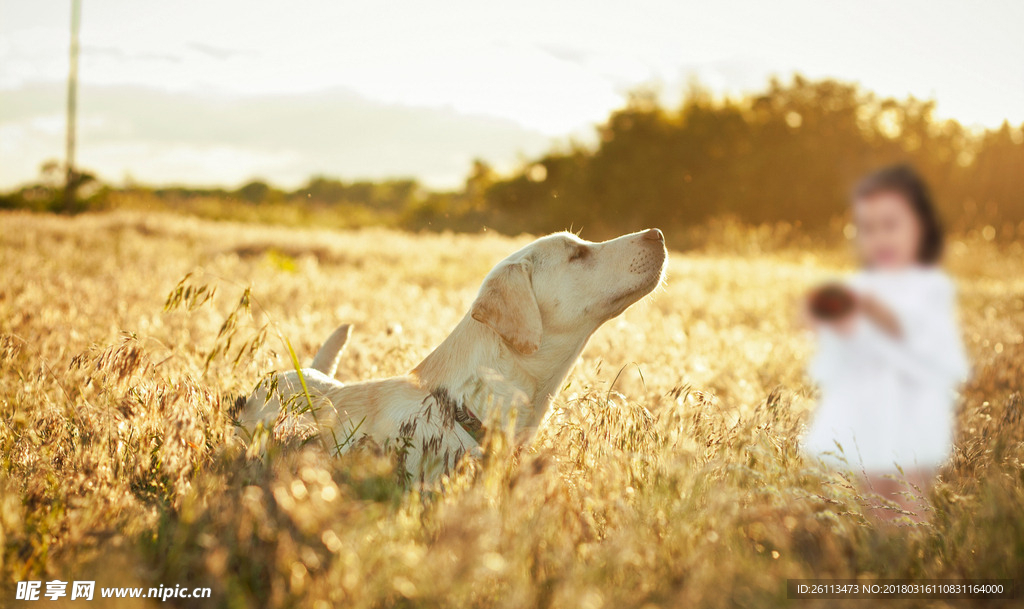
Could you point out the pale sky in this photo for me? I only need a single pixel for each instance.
(219, 91)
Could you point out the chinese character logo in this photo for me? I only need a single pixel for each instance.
(82, 590)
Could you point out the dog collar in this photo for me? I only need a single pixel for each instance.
(460, 414)
(471, 423)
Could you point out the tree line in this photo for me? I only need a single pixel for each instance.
(787, 154)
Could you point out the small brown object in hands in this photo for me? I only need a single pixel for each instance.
(831, 302)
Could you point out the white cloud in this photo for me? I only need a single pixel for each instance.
(165, 137)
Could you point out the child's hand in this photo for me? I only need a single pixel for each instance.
(880, 315)
(832, 306)
(844, 326)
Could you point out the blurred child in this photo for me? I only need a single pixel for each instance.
(889, 351)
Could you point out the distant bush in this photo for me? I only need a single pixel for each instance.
(47, 194)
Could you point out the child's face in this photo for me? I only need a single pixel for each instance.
(888, 231)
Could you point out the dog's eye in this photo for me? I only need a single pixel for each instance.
(579, 254)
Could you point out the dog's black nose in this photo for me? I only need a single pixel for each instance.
(654, 235)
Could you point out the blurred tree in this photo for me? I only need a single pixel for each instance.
(256, 191)
(786, 155)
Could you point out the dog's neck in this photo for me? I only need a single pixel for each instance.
(480, 372)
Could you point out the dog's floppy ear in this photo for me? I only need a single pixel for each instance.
(506, 304)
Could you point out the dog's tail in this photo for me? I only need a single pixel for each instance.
(329, 355)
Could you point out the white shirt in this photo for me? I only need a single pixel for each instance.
(890, 401)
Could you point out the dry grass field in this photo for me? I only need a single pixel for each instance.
(667, 475)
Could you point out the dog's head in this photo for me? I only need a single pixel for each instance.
(561, 285)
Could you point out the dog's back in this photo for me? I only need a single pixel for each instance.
(265, 404)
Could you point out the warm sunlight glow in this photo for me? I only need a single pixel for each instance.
(501, 81)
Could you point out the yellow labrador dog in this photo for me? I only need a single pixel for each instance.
(501, 365)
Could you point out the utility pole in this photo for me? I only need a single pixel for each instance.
(72, 176)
